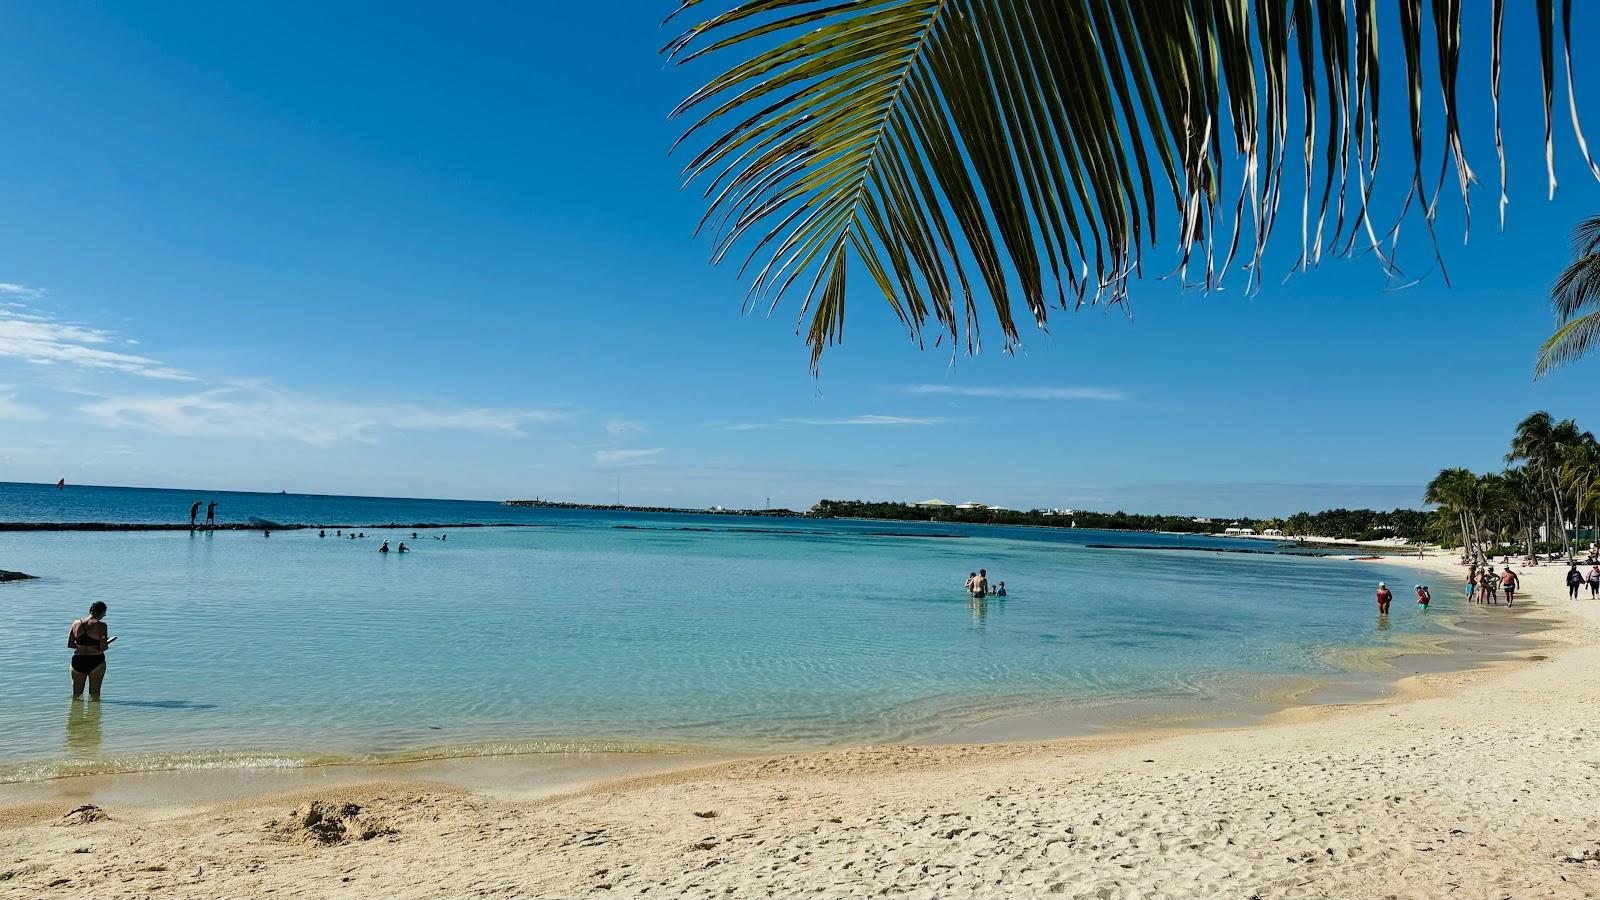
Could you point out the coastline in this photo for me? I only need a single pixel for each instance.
(1400, 796)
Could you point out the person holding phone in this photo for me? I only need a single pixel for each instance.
(89, 639)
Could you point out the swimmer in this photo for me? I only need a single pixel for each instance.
(89, 640)
(322, 534)
(384, 548)
(980, 585)
(1385, 596)
(403, 548)
(1000, 590)
(971, 577)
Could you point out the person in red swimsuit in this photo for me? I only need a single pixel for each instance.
(1384, 598)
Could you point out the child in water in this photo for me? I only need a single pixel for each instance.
(1000, 589)
(1423, 597)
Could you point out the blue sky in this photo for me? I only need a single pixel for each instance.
(443, 252)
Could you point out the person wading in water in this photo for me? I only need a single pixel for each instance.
(89, 639)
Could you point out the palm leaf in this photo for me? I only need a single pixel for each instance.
(1029, 152)
(1571, 341)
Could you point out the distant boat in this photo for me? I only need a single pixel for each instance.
(61, 484)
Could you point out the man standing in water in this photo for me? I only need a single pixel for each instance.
(980, 585)
(194, 512)
(211, 514)
(1384, 598)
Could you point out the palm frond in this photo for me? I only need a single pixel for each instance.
(1573, 340)
(1028, 152)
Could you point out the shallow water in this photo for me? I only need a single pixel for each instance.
(237, 649)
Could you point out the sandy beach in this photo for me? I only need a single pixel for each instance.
(1472, 784)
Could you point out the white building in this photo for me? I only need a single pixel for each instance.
(1238, 531)
(935, 503)
(970, 505)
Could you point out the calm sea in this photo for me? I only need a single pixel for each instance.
(597, 630)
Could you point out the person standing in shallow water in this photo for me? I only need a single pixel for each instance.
(89, 639)
(980, 585)
(194, 513)
(1385, 597)
(211, 514)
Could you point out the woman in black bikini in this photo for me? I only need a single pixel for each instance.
(89, 639)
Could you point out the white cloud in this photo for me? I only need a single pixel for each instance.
(749, 426)
(620, 427)
(873, 420)
(1019, 393)
(623, 457)
(254, 411)
(20, 290)
(14, 411)
(43, 340)
(865, 420)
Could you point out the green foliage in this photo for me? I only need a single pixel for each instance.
(1031, 150)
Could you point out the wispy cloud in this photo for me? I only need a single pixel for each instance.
(1019, 393)
(20, 290)
(889, 421)
(624, 457)
(44, 340)
(254, 411)
(12, 410)
(843, 421)
(620, 427)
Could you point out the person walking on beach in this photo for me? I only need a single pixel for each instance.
(1594, 582)
(1423, 597)
(1574, 581)
(211, 514)
(1508, 583)
(194, 513)
(89, 639)
(1489, 584)
(1472, 584)
(1385, 597)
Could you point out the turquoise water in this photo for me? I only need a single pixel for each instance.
(238, 649)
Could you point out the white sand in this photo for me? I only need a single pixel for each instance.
(1476, 784)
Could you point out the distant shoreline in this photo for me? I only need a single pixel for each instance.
(248, 526)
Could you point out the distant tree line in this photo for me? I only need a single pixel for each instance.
(1345, 524)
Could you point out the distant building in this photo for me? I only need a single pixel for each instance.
(1200, 520)
(1058, 512)
(1236, 530)
(993, 508)
(1272, 532)
(935, 503)
(970, 505)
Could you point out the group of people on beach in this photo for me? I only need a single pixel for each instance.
(1483, 584)
(978, 585)
(1576, 579)
(211, 515)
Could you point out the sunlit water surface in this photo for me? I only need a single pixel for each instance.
(240, 649)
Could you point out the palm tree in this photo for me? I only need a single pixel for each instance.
(1524, 499)
(1032, 149)
(1577, 290)
(1538, 442)
(1455, 492)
